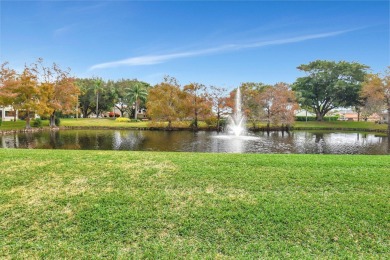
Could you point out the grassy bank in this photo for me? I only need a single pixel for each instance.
(111, 123)
(88, 204)
(342, 125)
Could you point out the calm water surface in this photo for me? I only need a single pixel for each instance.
(262, 142)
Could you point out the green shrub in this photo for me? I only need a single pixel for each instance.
(122, 119)
(57, 121)
(1, 121)
(313, 118)
(223, 122)
(303, 118)
(211, 121)
(37, 122)
(135, 120)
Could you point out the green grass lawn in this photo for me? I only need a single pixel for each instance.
(101, 122)
(111, 123)
(341, 125)
(19, 125)
(10, 125)
(89, 204)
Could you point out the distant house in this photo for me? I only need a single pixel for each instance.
(349, 116)
(8, 113)
(384, 118)
(353, 116)
(304, 112)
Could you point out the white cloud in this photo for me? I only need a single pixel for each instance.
(156, 59)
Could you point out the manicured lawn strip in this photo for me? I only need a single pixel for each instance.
(101, 122)
(340, 125)
(111, 123)
(19, 125)
(88, 204)
(9, 125)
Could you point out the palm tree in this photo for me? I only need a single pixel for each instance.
(136, 94)
(97, 88)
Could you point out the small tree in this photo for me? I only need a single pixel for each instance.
(58, 91)
(137, 93)
(376, 93)
(278, 103)
(166, 101)
(8, 81)
(219, 103)
(25, 93)
(198, 104)
(87, 95)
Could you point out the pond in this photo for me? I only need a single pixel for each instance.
(323, 142)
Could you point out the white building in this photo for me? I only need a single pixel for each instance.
(384, 117)
(8, 114)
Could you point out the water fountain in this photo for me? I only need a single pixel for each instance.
(236, 133)
(237, 122)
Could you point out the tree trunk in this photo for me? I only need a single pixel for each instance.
(97, 104)
(388, 119)
(195, 125)
(320, 116)
(52, 120)
(218, 124)
(85, 111)
(268, 120)
(15, 111)
(136, 110)
(28, 126)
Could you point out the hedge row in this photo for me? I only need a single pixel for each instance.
(313, 118)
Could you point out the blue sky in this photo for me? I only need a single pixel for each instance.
(220, 43)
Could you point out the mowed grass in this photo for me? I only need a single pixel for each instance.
(19, 125)
(345, 125)
(101, 122)
(109, 204)
(111, 123)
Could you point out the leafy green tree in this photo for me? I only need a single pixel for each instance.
(87, 95)
(122, 101)
(330, 84)
(98, 89)
(136, 94)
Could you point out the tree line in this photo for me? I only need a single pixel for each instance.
(49, 90)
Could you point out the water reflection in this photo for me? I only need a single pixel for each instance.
(262, 142)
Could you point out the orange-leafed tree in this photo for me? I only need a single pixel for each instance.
(285, 103)
(197, 103)
(250, 100)
(8, 79)
(251, 105)
(58, 90)
(166, 102)
(376, 93)
(25, 93)
(278, 105)
(218, 97)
